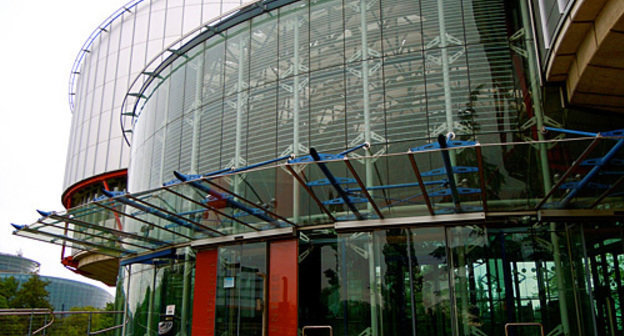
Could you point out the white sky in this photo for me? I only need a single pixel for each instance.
(39, 40)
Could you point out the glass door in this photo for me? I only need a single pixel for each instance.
(605, 264)
(517, 275)
(386, 282)
(241, 290)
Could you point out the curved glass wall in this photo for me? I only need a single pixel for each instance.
(115, 57)
(464, 280)
(17, 264)
(65, 294)
(331, 74)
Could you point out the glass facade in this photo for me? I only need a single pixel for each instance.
(113, 59)
(331, 75)
(463, 217)
(464, 280)
(561, 275)
(549, 17)
(148, 291)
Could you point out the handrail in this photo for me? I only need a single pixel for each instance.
(30, 312)
(45, 311)
(23, 311)
(45, 326)
(523, 324)
(97, 332)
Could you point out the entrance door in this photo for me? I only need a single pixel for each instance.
(391, 282)
(246, 289)
(605, 265)
(241, 290)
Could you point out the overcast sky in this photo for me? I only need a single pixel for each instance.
(39, 40)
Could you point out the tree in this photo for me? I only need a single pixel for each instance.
(8, 290)
(78, 324)
(32, 294)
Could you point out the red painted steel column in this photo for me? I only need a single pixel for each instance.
(283, 288)
(204, 299)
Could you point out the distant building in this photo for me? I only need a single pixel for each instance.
(64, 293)
(17, 264)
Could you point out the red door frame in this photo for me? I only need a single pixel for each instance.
(282, 297)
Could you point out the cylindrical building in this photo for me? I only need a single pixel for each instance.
(114, 54)
(352, 167)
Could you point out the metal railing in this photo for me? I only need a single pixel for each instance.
(524, 324)
(43, 321)
(326, 327)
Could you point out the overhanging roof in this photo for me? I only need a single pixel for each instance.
(446, 177)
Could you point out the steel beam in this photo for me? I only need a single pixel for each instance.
(310, 192)
(592, 172)
(142, 220)
(481, 177)
(449, 171)
(363, 188)
(607, 192)
(101, 228)
(211, 208)
(334, 183)
(71, 240)
(230, 202)
(261, 216)
(174, 215)
(116, 239)
(421, 184)
(568, 172)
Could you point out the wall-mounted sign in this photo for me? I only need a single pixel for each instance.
(228, 282)
(170, 310)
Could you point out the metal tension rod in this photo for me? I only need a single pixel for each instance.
(141, 220)
(54, 242)
(570, 170)
(363, 187)
(310, 192)
(65, 238)
(260, 164)
(421, 184)
(449, 171)
(114, 239)
(481, 177)
(334, 183)
(605, 159)
(607, 192)
(230, 202)
(211, 208)
(261, 216)
(100, 228)
(169, 214)
(147, 209)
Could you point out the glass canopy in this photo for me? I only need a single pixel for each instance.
(445, 177)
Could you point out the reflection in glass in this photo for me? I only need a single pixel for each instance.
(241, 290)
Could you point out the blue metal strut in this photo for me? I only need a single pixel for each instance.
(332, 180)
(449, 172)
(592, 173)
(185, 223)
(230, 202)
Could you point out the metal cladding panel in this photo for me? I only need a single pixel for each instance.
(283, 288)
(204, 299)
